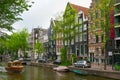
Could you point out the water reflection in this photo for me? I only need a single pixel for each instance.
(43, 73)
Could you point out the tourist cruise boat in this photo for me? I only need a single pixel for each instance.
(15, 66)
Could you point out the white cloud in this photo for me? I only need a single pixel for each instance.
(43, 10)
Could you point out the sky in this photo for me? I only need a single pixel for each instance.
(41, 12)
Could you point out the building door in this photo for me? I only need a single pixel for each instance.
(91, 57)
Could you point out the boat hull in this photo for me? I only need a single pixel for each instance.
(61, 69)
(80, 72)
(14, 69)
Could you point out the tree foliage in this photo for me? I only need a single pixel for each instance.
(18, 40)
(2, 45)
(67, 26)
(39, 47)
(10, 12)
(63, 54)
(101, 20)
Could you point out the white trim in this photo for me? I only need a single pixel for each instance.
(116, 4)
(117, 14)
(118, 38)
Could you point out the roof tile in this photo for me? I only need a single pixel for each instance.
(80, 8)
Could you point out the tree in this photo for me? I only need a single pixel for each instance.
(18, 40)
(10, 12)
(2, 45)
(39, 47)
(63, 55)
(102, 7)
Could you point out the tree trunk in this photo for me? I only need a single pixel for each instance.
(106, 53)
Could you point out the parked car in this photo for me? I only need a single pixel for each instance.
(57, 62)
(42, 60)
(26, 61)
(83, 63)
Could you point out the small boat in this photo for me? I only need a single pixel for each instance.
(15, 66)
(80, 72)
(61, 69)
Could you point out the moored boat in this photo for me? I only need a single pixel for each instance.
(80, 72)
(61, 68)
(15, 66)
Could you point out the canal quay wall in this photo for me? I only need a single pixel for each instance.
(50, 65)
(94, 70)
(102, 73)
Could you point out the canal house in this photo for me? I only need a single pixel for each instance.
(97, 52)
(117, 31)
(75, 19)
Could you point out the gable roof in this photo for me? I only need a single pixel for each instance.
(80, 8)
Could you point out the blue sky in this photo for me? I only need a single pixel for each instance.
(42, 11)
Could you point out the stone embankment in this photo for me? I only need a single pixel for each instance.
(97, 70)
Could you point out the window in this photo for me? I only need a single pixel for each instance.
(102, 38)
(102, 50)
(97, 51)
(76, 38)
(85, 27)
(65, 42)
(77, 29)
(79, 20)
(117, 20)
(97, 39)
(117, 43)
(85, 36)
(117, 8)
(72, 41)
(81, 49)
(80, 37)
(86, 49)
(77, 50)
(80, 28)
(117, 32)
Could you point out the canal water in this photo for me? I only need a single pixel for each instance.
(44, 73)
